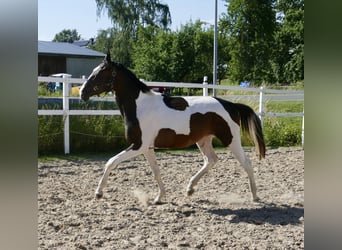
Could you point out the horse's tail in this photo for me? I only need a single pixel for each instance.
(251, 125)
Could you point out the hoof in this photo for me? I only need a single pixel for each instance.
(256, 199)
(157, 202)
(98, 195)
(189, 192)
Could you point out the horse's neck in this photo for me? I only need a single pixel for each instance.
(126, 97)
(127, 106)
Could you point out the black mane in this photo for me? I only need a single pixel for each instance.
(142, 86)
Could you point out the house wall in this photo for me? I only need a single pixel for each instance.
(78, 67)
(48, 65)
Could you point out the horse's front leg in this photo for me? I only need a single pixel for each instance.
(151, 158)
(111, 164)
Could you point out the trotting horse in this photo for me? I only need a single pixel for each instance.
(153, 120)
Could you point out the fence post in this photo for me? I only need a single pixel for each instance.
(66, 115)
(205, 83)
(261, 104)
(303, 130)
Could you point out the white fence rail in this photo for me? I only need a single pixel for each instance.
(264, 95)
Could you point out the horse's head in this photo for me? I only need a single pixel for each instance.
(101, 79)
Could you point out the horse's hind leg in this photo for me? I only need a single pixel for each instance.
(111, 164)
(240, 155)
(151, 158)
(210, 158)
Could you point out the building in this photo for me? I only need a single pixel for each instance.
(73, 59)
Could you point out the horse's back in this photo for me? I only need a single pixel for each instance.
(178, 122)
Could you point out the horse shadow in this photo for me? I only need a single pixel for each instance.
(271, 214)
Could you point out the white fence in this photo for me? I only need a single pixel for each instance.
(263, 95)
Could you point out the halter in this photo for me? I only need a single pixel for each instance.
(111, 80)
(110, 83)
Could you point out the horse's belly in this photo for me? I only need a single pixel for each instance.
(167, 138)
(200, 125)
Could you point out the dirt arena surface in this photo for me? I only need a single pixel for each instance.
(219, 215)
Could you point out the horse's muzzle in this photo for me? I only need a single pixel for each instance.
(84, 97)
(83, 94)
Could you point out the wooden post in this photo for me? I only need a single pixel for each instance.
(66, 115)
(261, 104)
(205, 86)
(303, 130)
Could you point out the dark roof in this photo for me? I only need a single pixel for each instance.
(84, 43)
(66, 49)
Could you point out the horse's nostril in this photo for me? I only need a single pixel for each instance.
(84, 97)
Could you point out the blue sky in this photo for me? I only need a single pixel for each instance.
(54, 16)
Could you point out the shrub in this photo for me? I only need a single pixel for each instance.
(278, 132)
(97, 134)
(87, 133)
(282, 131)
(50, 134)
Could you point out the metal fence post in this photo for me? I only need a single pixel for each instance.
(205, 86)
(261, 105)
(66, 114)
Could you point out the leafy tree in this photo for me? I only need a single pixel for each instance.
(184, 52)
(115, 41)
(152, 54)
(67, 35)
(223, 50)
(288, 59)
(182, 56)
(102, 41)
(250, 26)
(127, 16)
(185, 55)
(193, 49)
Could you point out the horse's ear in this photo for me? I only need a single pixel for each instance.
(108, 59)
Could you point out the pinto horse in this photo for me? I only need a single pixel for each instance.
(153, 120)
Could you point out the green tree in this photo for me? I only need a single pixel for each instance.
(193, 52)
(115, 41)
(67, 35)
(152, 54)
(288, 58)
(250, 26)
(182, 56)
(102, 41)
(223, 52)
(130, 14)
(185, 55)
(127, 16)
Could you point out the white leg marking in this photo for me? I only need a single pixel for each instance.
(240, 155)
(113, 163)
(210, 158)
(151, 158)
